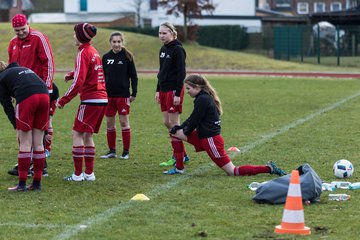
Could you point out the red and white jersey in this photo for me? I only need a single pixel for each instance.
(34, 52)
(89, 79)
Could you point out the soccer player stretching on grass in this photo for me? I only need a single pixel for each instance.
(88, 81)
(119, 69)
(30, 118)
(170, 86)
(202, 129)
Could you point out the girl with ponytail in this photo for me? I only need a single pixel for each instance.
(202, 129)
(120, 76)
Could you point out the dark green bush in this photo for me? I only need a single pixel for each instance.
(233, 37)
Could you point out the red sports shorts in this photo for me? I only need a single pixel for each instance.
(117, 104)
(167, 102)
(89, 118)
(33, 112)
(214, 146)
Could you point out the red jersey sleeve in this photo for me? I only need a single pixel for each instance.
(10, 51)
(45, 55)
(81, 68)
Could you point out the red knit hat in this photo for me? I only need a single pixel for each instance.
(84, 32)
(19, 20)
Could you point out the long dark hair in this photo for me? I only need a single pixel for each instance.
(128, 54)
(197, 80)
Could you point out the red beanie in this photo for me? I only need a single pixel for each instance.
(19, 20)
(84, 32)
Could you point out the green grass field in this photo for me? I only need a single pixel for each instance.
(289, 120)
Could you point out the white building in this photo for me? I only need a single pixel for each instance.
(227, 12)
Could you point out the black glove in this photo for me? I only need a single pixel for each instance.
(174, 129)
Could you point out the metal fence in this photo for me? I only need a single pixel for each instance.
(321, 43)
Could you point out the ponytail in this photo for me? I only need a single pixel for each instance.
(3, 66)
(128, 54)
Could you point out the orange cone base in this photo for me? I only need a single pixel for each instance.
(304, 231)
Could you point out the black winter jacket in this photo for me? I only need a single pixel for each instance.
(119, 70)
(172, 70)
(205, 117)
(19, 83)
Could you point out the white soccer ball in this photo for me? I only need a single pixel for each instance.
(343, 169)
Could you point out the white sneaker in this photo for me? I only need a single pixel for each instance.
(75, 178)
(110, 154)
(124, 155)
(89, 177)
(174, 171)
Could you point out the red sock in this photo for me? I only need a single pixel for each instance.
(126, 138)
(89, 159)
(47, 143)
(111, 137)
(185, 154)
(24, 159)
(78, 157)
(38, 161)
(250, 170)
(178, 152)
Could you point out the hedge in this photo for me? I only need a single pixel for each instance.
(232, 37)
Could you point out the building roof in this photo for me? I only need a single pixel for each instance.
(269, 12)
(347, 17)
(75, 17)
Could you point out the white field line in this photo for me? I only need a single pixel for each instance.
(294, 124)
(33, 225)
(95, 220)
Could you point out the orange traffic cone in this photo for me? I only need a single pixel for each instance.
(293, 216)
(233, 149)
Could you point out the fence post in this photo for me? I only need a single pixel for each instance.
(318, 44)
(288, 42)
(338, 44)
(302, 44)
(353, 45)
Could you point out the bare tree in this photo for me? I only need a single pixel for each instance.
(137, 4)
(187, 8)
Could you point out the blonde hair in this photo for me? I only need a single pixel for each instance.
(128, 54)
(3, 66)
(171, 27)
(197, 80)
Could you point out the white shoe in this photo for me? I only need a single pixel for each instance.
(110, 154)
(75, 178)
(174, 171)
(125, 155)
(89, 177)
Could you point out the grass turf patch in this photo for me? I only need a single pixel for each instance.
(204, 201)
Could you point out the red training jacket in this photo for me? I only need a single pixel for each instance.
(34, 52)
(89, 79)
